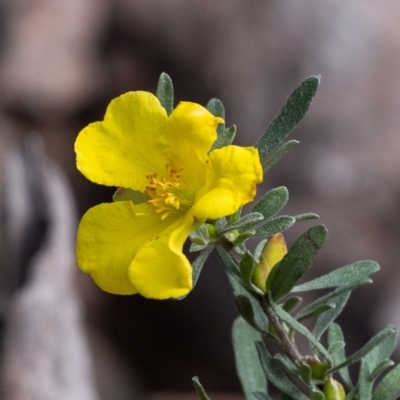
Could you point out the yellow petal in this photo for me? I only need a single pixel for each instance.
(160, 270)
(109, 236)
(192, 130)
(128, 145)
(231, 177)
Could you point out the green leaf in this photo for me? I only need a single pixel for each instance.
(199, 389)
(275, 375)
(261, 396)
(364, 383)
(298, 327)
(286, 364)
(217, 109)
(305, 216)
(316, 312)
(296, 262)
(317, 394)
(364, 350)
(272, 202)
(165, 92)
(225, 138)
(380, 368)
(331, 296)
(335, 335)
(246, 222)
(383, 351)
(341, 276)
(251, 312)
(305, 373)
(327, 318)
(198, 263)
(272, 159)
(291, 114)
(246, 270)
(248, 365)
(275, 225)
(291, 304)
(389, 386)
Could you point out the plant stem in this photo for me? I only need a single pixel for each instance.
(287, 346)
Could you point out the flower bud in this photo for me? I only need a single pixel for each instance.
(333, 390)
(273, 252)
(318, 367)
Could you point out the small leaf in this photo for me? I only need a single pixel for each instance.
(225, 138)
(272, 202)
(248, 364)
(246, 269)
(364, 350)
(317, 311)
(217, 109)
(384, 365)
(305, 216)
(198, 263)
(246, 222)
(275, 375)
(291, 304)
(291, 114)
(272, 159)
(364, 382)
(305, 373)
(389, 386)
(286, 364)
(246, 306)
(341, 276)
(199, 389)
(298, 327)
(275, 225)
(317, 394)
(261, 396)
(328, 317)
(335, 335)
(296, 262)
(165, 92)
(383, 351)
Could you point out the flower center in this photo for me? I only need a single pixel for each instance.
(168, 195)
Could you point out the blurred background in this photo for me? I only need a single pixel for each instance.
(62, 61)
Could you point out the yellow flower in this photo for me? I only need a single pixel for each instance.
(135, 246)
(273, 252)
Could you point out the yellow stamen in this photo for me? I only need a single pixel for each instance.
(167, 194)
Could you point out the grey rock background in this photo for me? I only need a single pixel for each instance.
(61, 61)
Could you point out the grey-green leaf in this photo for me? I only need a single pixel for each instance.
(246, 222)
(341, 276)
(199, 389)
(251, 312)
(364, 350)
(225, 138)
(272, 202)
(275, 225)
(298, 327)
(198, 263)
(272, 159)
(296, 262)
(335, 335)
(275, 375)
(389, 386)
(291, 114)
(165, 92)
(248, 364)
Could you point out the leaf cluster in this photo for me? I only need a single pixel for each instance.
(276, 315)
